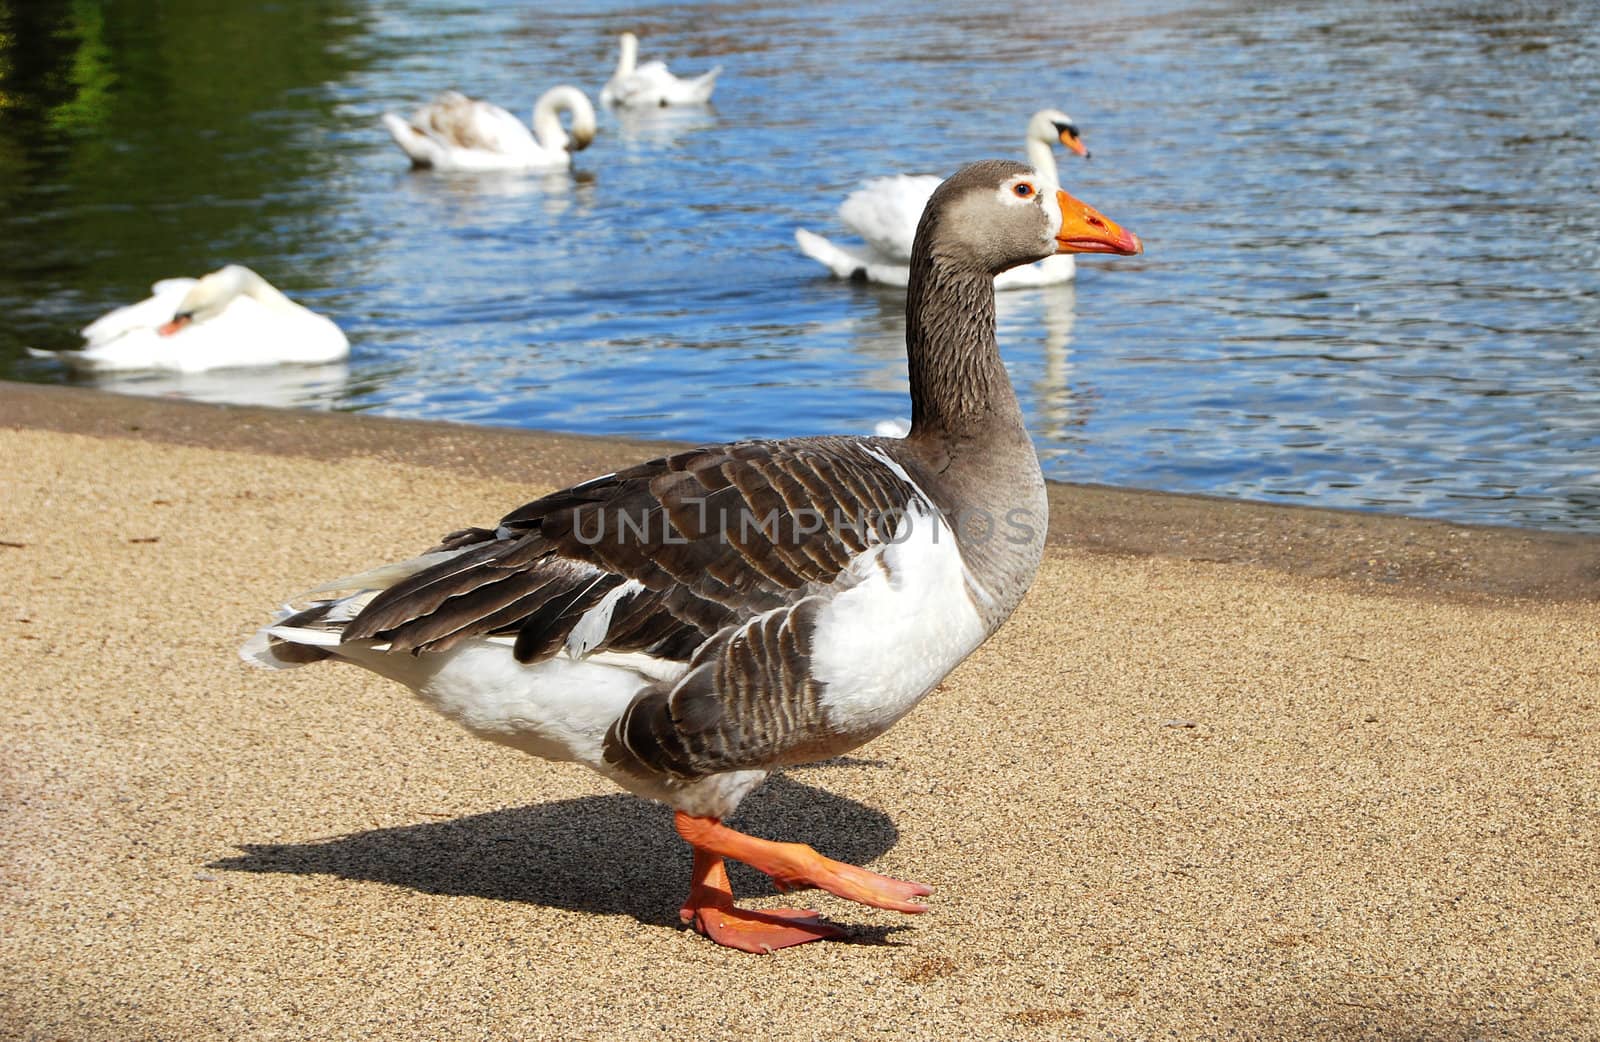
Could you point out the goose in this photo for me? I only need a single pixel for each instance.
(455, 132)
(228, 319)
(650, 85)
(688, 625)
(884, 212)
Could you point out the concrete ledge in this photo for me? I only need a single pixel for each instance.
(1376, 550)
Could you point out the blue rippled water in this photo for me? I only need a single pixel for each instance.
(1372, 275)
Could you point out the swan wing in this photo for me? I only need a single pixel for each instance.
(246, 332)
(497, 130)
(855, 264)
(250, 333)
(653, 85)
(885, 210)
(463, 122)
(153, 311)
(1051, 271)
(699, 89)
(640, 88)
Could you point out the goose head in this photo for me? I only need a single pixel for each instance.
(210, 296)
(1050, 126)
(997, 214)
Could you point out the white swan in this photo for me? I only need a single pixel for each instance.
(229, 318)
(884, 211)
(455, 132)
(650, 85)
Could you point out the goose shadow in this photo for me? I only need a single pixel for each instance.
(613, 854)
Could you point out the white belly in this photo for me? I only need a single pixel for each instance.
(909, 619)
(560, 709)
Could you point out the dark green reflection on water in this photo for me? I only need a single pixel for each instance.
(142, 139)
(91, 75)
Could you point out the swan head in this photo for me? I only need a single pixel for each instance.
(998, 214)
(210, 296)
(581, 135)
(547, 120)
(1052, 126)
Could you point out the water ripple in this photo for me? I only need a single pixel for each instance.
(1372, 230)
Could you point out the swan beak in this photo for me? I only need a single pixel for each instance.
(175, 325)
(1086, 230)
(1074, 143)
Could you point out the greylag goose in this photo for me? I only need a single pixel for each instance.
(228, 319)
(884, 211)
(688, 625)
(455, 132)
(651, 85)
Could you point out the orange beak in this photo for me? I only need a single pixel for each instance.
(1074, 143)
(1086, 230)
(173, 326)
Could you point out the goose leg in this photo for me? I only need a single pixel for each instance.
(710, 910)
(791, 866)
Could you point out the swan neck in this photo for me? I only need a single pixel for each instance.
(213, 293)
(1042, 157)
(547, 126)
(628, 56)
(264, 292)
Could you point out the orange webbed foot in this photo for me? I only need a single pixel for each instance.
(848, 881)
(792, 866)
(761, 932)
(710, 910)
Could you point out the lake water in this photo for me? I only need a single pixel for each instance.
(1372, 275)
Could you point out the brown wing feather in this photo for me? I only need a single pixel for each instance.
(452, 117)
(734, 547)
(748, 701)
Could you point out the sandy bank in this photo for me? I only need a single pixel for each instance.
(1334, 782)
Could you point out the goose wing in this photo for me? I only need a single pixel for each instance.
(704, 570)
(704, 539)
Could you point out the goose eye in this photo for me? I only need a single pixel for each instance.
(1022, 189)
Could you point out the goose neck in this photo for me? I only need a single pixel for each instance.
(959, 387)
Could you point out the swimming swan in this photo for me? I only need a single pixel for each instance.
(650, 85)
(455, 132)
(229, 318)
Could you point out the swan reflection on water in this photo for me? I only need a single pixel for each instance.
(277, 387)
(1020, 317)
(661, 127)
(477, 198)
(1034, 327)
